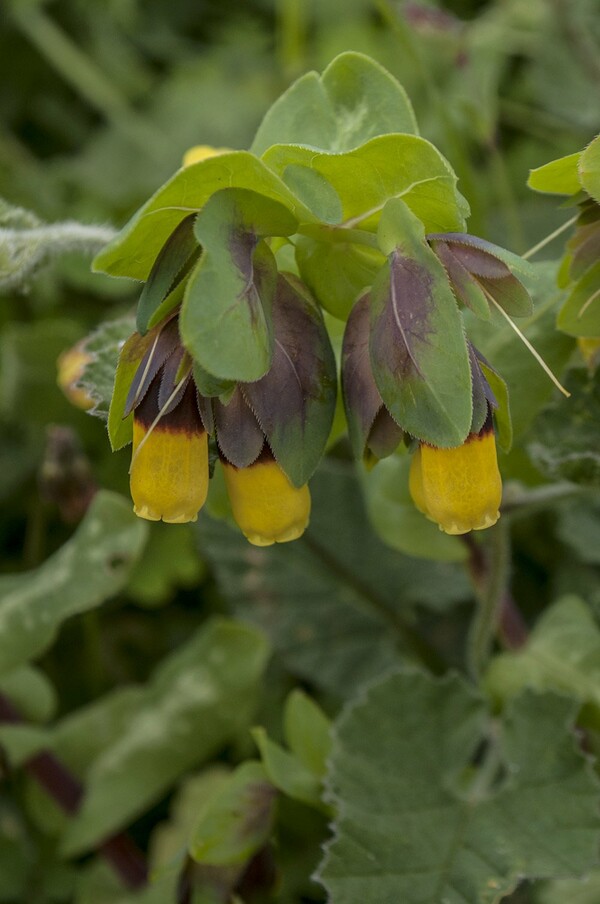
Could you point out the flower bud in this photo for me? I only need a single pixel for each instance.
(71, 366)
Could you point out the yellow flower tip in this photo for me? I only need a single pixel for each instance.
(71, 365)
(202, 152)
(169, 473)
(459, 488)
(267, 507)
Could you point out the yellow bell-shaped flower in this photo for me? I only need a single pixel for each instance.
(459, 488)
(266, 506)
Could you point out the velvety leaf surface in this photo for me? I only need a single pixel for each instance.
(295, 401)
(418, 352)
(566, 441)
(419, 824)
(335, 603)
(354, 100)
(226, 316)
(199, 698)
(390, 166)
(134, 250)
(89, 569)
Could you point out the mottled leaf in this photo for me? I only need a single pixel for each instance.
(390, 166)
(134, 250)
(421, 821)
(200, 697)
(89, 569)
(418, 350)
(354, 100)
(226, 316)
(295, 401)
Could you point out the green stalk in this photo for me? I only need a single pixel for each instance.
(491, 585)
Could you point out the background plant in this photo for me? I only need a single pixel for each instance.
(109, 647)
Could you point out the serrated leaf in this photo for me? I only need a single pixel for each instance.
(362, 399)
(89, 569)
(337, 273)
(580, 314)
(225, 320)
(134, 250)
(565, 444)
(559, 177)
(199, 698)
(236, 821)
(295, 400)
(173, 262)
(354, 100)
(562, 654)
(419, 823)
(334, 601)
(502, 416)
(418, 350)
(120, 429)
(589, 169)
(104, 346)
(390, 166)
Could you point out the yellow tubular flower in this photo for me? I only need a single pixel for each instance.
(71, 366)
(202, 152)
(265, 505)
(458, 488)
(169, 467)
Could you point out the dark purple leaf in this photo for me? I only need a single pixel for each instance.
(157, 353)
(465, 287)
(239, 435)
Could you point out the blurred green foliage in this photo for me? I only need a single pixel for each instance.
(98, 102)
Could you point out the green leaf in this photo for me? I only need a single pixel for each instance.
(235, 822)
(419, 822)
(354, 100)
(294, 402)
(580, 314)
(566, 438)
(199, 698)
(98, 377)
(502, 416)
(419, 355)
(134, 250)
(170, 560)
(226, 316)
(336, 602)
(307, 731)
(589, 169)
(562, 654)
(31, 692)
(390, 166)
(174, 261)
(396, 520)
(120, 429)
(574, 891)
(287, 772)
(559, 177)
(337, 273)
(89, 569)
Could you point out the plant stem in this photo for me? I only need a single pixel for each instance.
(67, 791)
(292, 28)
(549, 238)
(490, 577)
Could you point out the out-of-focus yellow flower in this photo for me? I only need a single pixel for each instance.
(71, 366)
(265, 505)
(459, 488)
(202, 152)
(590, 350)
